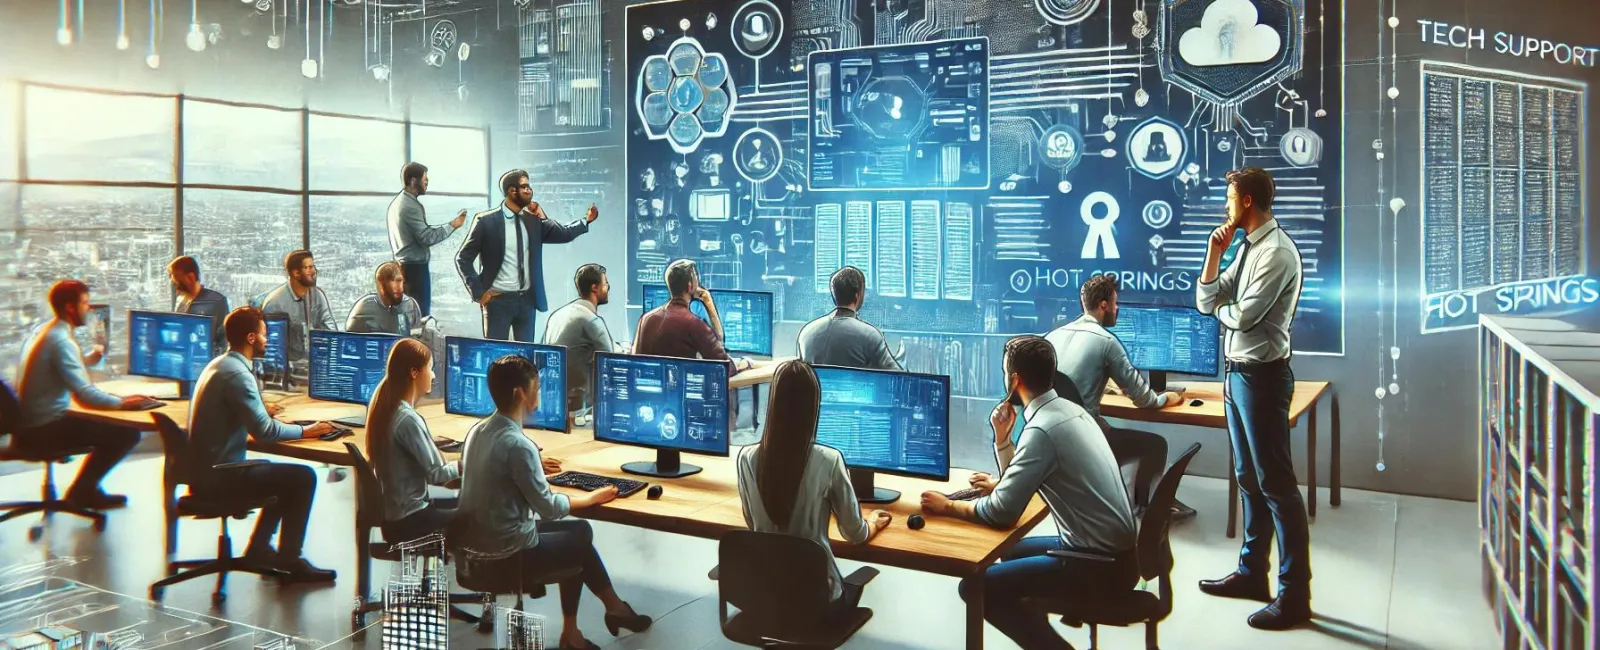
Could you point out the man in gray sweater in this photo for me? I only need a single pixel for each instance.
(1061, 456)
(841, 338)
(579, 327)
(302, 301)
(410, 236)
(388, 310)
(226, 412)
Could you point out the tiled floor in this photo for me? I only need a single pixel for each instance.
(1390, 572)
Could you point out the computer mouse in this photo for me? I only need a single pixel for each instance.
(1196, 402)
(915, 522)
(655, 492)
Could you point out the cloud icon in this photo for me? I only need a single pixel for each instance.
(1229, 35)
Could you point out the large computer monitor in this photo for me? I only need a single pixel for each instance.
(96, 330)
(466, 374)
(661, 403)
(169, 345)
(885, 421)
(1163, 338)
(746, 316)
(273, 367)
(346, 367)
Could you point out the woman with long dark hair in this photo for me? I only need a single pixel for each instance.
(402, 451)
(790, 484)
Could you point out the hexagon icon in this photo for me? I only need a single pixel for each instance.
(1209, 53)
(1156, 148)
(685, 95)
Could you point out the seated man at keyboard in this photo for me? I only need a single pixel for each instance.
(502, 487)
(1062, 457)
(789, 484)
(388, 310)
(226, 410)
(1089, 354)
(54, 372)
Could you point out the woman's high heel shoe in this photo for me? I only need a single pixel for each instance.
(633, 622)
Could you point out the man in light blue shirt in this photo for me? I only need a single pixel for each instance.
(410, 236)
(388, 310)
(226, 411)
(1061, 456)
(503, 487)
(53, 375)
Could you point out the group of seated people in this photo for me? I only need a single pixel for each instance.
(1065, 451)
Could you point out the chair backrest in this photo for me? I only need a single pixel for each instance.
(779, 582)
(369, 490)
(1065, 388)
(10, 408)
(175, 450)
(1155, 552)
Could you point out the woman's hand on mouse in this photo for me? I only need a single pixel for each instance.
(1172, 399)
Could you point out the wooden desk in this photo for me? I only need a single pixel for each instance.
(761, 373)
(707, 505)
(1210, 414)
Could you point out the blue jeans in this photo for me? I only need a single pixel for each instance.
(508, 313)
(1257, 405)
(1027, 571)
(418, 285)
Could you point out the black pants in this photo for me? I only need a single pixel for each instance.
(567, 543)
(419, 285)
(1148, 450)
(421, 523)
(110, 444)
(1028, 571)
(294, 486)
(1256, 399)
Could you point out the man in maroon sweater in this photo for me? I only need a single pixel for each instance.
(671, 330)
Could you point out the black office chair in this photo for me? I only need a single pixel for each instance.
(48, 503)
(1154, 551)
(493, 575)
(780, 585)
(369, 515)
(1065, 388)
(175, 447)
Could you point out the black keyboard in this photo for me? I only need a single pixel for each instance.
(447, 445)
(336, 434)
(968, 494)
(592, 482)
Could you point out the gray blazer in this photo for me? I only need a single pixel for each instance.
(842, 339)
(410, 236)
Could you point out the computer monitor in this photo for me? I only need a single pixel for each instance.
(273, 367)
(661, 403)
(346, 367)
(169, 345)
(885, 421)
(466, 374)
(1165, 338)
(746, 316)
(96, 330)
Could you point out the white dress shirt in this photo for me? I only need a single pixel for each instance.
(1255, 297)
(509, 281)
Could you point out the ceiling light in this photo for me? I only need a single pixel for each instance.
(64, 36)
(154, 61)
(196, 40)
(308, 68)
(122, 42)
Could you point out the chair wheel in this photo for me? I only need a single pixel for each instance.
(35, 532)
(219, 597)
(486, 622)
(100, 525)
(157, 593)
(358, 621)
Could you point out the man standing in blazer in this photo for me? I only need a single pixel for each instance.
(410, 235)
(501, 261)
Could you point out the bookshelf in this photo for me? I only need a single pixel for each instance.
(1538, 415)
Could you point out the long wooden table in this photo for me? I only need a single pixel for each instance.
(1210, 414)
(702, 505)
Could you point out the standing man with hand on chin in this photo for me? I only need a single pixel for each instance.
(410, 236)
(1255, 299)
(501, 261)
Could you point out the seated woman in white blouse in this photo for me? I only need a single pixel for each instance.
(402, 451)
(789, 484)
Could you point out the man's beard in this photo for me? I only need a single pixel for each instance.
(1111, 320)
(308, 282)
(601, 300)
(393, 299)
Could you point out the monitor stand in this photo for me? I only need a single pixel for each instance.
(1158, 381)
(668, 464)
(862, 480)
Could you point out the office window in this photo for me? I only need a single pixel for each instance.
(350, 238)
(240, 239)
(231, 145)
(85, 136)
(121, 254)
(352, 155)
(9, 94)
(454, 309)
(455, 158)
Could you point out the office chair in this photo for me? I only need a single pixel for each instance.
(175, 447)
(491, 575)
(1154, 551)
(369, 515)
(48, 504)
(1065, 388)
(780, 585)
